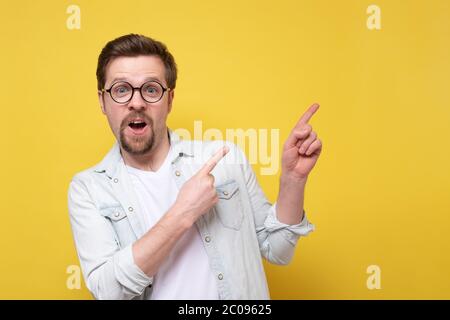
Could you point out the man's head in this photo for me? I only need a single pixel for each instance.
(137, 117)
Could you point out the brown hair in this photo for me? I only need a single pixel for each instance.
(133, 45)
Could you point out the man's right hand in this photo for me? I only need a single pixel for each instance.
(198, 194)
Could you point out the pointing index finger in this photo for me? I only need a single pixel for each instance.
(212, 162)
(308, 114)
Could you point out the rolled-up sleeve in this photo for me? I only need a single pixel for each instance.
(290, 232)
(278, 245)
(109, 271)
(276, 240)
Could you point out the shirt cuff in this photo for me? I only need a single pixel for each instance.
(291, 232)
(128, 273)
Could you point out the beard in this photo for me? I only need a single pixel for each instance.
(137, 145)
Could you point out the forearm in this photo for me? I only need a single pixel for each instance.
(290, 200)
(196, 197)
(152, 248)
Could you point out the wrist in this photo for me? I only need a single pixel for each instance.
(293, 180)
(178, 214)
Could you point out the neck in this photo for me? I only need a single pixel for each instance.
(152, 160)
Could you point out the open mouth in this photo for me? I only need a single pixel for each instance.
(137, 126)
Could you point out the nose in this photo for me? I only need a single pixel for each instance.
(137, 102)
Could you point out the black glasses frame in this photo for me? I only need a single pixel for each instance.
(136, 88)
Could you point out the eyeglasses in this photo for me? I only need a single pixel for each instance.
(122, 92)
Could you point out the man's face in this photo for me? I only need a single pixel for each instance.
(139, 126)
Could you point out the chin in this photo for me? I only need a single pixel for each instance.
(137, 146)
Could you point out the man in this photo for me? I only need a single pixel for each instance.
(162, 218)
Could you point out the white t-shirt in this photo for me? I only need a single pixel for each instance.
(186, 273)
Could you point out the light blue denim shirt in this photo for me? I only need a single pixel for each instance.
(237, 232)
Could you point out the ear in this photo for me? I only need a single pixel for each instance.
(101, 101)
(171, 96)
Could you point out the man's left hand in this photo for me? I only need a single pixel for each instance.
(301, 149)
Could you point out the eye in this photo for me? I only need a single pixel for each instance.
(152, 90)
(121, 89)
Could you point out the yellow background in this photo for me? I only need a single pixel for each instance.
(379, 194)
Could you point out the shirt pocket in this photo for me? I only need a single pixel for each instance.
(229, 208)
(119, 221)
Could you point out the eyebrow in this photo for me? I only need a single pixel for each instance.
(126, 79)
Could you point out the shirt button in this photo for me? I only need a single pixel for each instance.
(116, 214)
(130, 209)
(177, 173)
(220, 276)
(207, 238)
(116, 180)
(225, 193)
